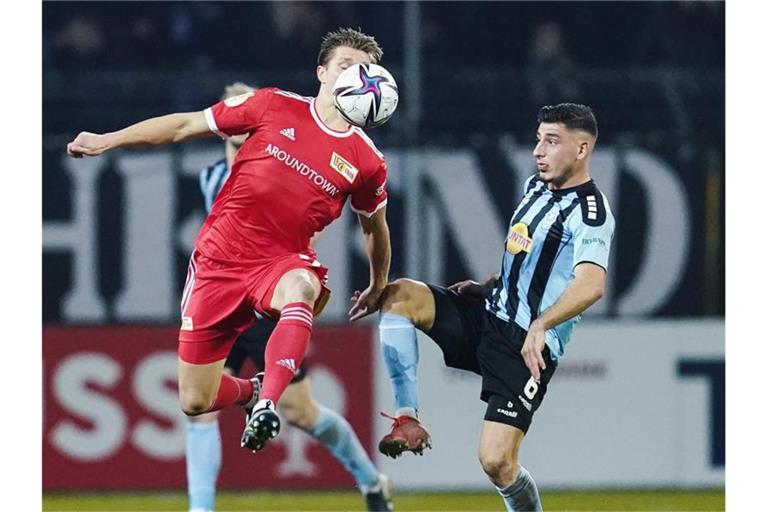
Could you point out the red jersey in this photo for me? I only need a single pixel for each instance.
(290, 178)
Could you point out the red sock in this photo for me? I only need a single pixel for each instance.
(285, 349)
(232, 391)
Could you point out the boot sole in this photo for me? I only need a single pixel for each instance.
(261, 429)
(395, 447)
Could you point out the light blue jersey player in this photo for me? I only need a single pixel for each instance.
(298, 407)
(569, 227)
(511, 329)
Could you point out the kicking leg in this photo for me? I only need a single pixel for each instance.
(406, 306)
(499, 449)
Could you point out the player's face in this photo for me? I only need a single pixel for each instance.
(341, 58)
(557, 151)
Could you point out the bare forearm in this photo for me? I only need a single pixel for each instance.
(576, 298)
(379, 254)
(156, 131)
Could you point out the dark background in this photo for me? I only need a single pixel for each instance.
(654, 72)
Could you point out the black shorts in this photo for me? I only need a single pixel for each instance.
(473, 339)
(251, 345)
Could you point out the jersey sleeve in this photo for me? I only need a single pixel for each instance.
(592, 241)
(372, 194)
(239, 114)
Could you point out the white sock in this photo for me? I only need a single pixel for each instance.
(521, 494)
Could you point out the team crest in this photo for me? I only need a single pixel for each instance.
(239, 99)
(518, 239)
(343, 167)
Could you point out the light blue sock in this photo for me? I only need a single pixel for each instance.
(335, 433)
(401, 357)
(203, 463)
(522, 494)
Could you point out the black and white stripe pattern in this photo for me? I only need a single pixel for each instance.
(212, 179)
(546, 259)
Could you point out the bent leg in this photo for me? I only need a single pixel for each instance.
(205, 388)
(498, 453)
(412, 300)
(294, 296)
(331, 430)
(406, 306)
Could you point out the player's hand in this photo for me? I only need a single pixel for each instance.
(365, 303)
(532, 350)
(87, 144)
(469, 288)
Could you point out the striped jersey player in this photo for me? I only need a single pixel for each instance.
(512, 329)
(550, 233)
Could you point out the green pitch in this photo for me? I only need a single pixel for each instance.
(349, 501)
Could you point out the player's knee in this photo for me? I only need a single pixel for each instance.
(397, 296)
(208, 417)
(499, 467)
(194, 403)
(302, 289)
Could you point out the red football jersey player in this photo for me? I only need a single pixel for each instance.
(291, 178)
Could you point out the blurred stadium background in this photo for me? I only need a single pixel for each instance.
(635, 417)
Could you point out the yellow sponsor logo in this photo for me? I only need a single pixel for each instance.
(343, 167)
(186, 323)
(239, 99)
(518, 239)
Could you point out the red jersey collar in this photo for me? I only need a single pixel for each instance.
(330, 131)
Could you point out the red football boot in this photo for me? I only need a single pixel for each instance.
(408, 434)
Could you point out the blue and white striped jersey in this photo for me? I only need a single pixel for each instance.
(550, 232)
(212, 178)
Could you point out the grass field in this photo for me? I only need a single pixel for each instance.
(348, 501)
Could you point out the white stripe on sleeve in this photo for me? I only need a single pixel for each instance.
(368, 214)
(212, 123)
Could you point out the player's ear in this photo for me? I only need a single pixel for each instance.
(584, 147)
(321, 74)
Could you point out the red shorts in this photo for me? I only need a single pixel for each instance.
(220, 301)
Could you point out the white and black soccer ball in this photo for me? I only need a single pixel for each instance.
(365, 95)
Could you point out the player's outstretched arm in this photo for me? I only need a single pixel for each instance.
(376, 234)
(156, 131)
(586, 288)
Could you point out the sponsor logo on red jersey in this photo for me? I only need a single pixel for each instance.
(303, 169)
(343, 167)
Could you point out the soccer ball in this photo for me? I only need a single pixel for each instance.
(365, 95)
